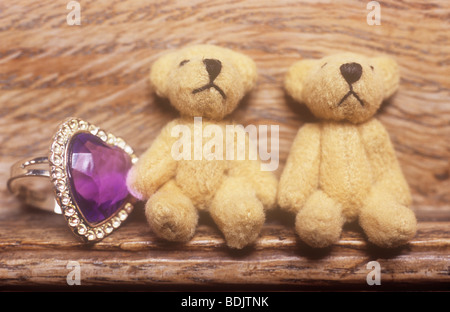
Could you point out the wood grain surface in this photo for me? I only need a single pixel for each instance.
(98, 71)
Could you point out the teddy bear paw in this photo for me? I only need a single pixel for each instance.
(240, 221)
(390, 226)
(173, 218)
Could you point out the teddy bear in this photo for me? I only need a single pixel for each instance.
(205, 83)
(343, 167)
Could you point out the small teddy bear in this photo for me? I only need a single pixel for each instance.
(203, 82)
(344, 168)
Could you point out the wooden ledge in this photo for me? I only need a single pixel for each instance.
(36, 248)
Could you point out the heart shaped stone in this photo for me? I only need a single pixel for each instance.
(97, 176)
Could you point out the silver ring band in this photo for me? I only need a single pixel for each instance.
(35, 192)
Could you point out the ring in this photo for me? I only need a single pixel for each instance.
(86, 171)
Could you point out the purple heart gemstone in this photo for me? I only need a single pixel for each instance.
(97, 176)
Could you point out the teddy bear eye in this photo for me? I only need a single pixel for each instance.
(183, 62)
(323, 65)
(371, 67)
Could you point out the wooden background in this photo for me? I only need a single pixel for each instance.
(98, 71)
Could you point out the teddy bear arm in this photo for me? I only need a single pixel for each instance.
(264, 183)
(252, 170)
(155, 167)
(386, 169)
(300, 176)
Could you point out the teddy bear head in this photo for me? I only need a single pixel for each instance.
(343, 87)
(203, 80)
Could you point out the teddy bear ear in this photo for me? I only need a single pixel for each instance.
(159, 73)
(247, 69)
(390, 72)
(296, 76)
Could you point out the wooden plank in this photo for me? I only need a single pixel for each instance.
(201, 271)
(41, 230)
(35, 251)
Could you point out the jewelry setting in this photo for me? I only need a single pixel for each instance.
(87, 167)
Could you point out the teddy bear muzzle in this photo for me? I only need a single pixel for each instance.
(352, 73)
(213, 67)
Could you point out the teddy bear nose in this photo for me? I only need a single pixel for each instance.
(213, 68)
(351, 72)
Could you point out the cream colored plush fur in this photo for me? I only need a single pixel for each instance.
(235, 192)
(344, 168)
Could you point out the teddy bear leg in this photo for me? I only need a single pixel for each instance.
(171, 214)
(237, 212)
(319, 222)
(386, 222)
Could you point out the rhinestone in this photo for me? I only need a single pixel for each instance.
(60, 186)
(99, 233)
(93, 129)
(56, 160)
(111, 139)
(82, 229)
(102, 135)
(123, 215)
(60, 138)
(56, 148)
(116, 222)
(108, 228)
(120, 143)
(128, 208)
(58, 173)
(73, 124)
(83, 125)
(128, 150)
(91, 235)
(65, 200)
(61, 194)
(66, 130)
(74, 221)
(69, 211)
